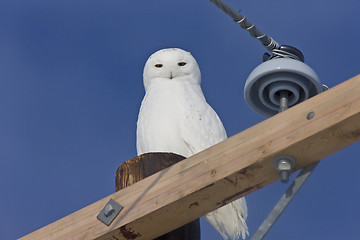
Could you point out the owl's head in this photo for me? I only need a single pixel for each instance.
(172, 64)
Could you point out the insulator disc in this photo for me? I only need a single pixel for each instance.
(266, 81)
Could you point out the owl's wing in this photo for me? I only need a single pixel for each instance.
(229, 220)
(200, 126)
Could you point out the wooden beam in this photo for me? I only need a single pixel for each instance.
(231, 169)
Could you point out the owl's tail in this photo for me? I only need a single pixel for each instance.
(230, 220)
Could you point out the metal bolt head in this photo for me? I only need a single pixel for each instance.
(284, 165)
(108, 210)
(285, 162)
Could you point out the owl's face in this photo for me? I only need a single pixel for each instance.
(171, 64)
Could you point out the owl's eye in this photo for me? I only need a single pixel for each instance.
(159, 65)
(182, 64)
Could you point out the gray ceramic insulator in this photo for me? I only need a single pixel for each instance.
(266, 81)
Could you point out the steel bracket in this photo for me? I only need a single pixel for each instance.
(109, 212)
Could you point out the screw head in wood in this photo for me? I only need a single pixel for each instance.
(310, 115)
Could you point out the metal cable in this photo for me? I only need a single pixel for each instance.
(278, 53)
(269, 43)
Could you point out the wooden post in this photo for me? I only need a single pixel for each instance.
(145, 165)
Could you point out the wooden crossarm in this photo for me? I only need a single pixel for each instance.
(231, 169)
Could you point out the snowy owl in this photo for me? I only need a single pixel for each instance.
(175, 117)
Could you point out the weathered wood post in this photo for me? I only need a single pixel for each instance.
(145, 165)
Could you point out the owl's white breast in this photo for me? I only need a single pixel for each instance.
(166, 107)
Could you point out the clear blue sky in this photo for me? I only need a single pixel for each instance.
(71, 87)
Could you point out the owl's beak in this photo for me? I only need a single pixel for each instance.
(171, 75)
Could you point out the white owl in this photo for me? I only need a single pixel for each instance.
(175, 117)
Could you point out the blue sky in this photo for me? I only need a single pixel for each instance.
(71, 87)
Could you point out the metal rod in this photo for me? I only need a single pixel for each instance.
(284, 100)
(283, 202)
(269, 43)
